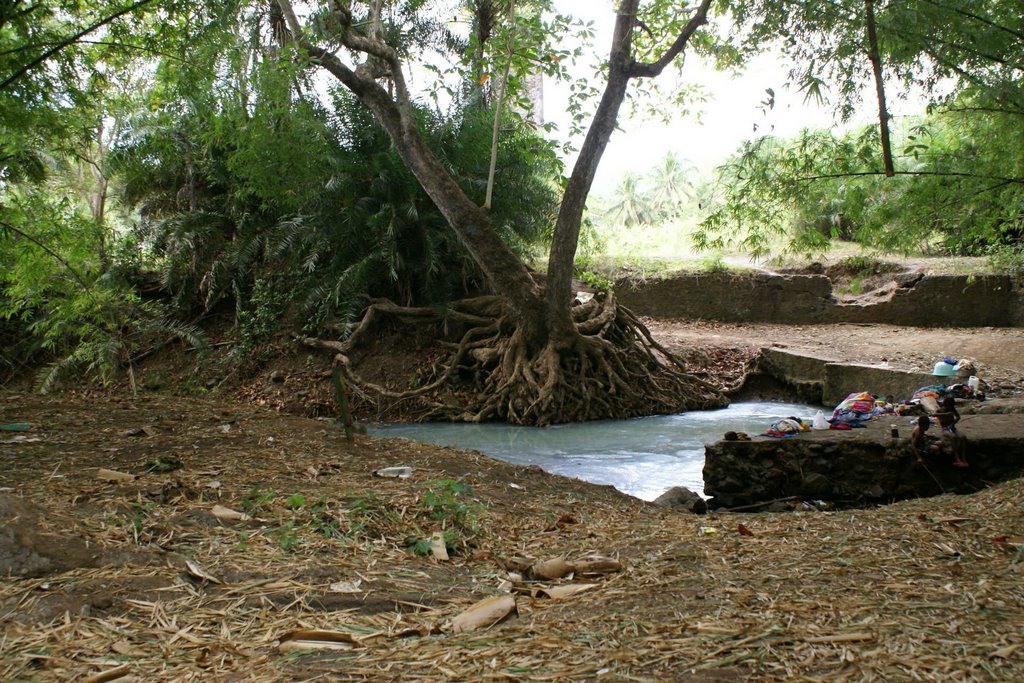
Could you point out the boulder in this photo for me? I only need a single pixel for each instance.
(682, 498)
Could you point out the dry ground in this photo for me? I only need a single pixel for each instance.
(927, 590)
(724, 347)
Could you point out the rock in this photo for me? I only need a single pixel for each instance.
(875, 492)
(277, 377)
(817, 484)
(682, 498)
(101, 600)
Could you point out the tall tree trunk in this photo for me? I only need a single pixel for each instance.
(499, 103)
(621, 68)
(504, 270)
(562, 256)
(876, 68)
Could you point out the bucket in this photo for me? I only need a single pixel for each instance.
(943, 369)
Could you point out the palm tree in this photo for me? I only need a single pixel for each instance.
(673, 185)
(632, 206)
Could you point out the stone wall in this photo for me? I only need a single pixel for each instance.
(940, 301)
(925, 301)
(860, 466)
(731, 297)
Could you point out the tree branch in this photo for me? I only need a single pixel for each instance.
(652, 69)
(71, 41)
(109, 43)
(983, 110)
(86, 287)
(976, 17)
(940, 174)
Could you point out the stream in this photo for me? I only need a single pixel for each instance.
(642, 457)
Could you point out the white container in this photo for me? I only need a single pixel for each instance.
(400, 472)
(973, 382)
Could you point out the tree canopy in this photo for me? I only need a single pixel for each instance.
(281, 160)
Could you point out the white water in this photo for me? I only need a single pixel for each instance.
(642, 457)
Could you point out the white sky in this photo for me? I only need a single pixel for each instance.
(726, 119)
(712, 131)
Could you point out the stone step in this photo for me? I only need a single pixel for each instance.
(838, 380)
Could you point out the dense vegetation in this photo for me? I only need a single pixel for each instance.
(163, 160)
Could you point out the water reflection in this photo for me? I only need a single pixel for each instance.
(642, 457)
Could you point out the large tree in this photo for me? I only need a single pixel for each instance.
(544, 359)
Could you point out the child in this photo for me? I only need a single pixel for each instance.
(948, 417)
(920, 442)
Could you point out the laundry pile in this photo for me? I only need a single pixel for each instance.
(860, 407)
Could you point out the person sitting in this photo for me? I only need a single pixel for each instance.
(921, 442)
(948, 416)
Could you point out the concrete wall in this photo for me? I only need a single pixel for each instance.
(941, 300)
(929, 301)
(731, 297)
(842, 379)
(833, 381)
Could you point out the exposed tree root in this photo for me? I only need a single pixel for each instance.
(611, 368)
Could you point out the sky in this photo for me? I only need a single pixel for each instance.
(712, 131)
(726, 119)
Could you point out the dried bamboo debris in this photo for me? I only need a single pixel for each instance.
(925, 590)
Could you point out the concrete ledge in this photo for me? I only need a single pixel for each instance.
(842, 379)
(792, 366)
(838, 380)
(860, 466)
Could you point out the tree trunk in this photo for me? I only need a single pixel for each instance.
(505, 272)
(621, 68)
(562, 256)
(540, 359)
(876, 68)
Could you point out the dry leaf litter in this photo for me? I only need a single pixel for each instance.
(273, 553)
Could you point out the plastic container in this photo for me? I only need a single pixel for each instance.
(943, 369)
(974, 383)
(394, 472)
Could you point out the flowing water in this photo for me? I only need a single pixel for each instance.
(642, 457)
